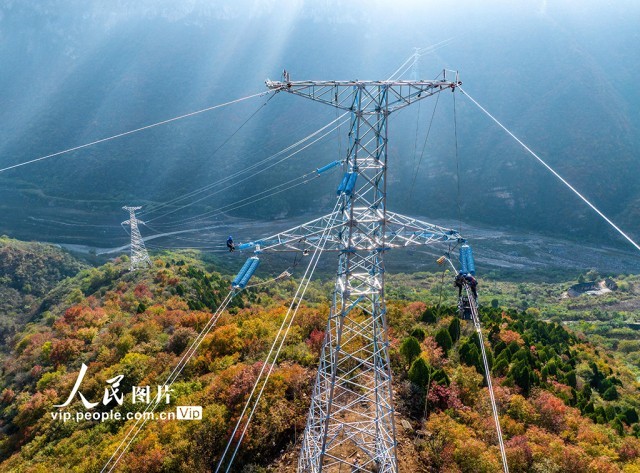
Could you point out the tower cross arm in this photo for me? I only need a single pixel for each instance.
(341, 94)
(128, 222)
(400, 231)
(301, 238)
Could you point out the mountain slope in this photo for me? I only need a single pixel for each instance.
(563, 401)
(28, 271)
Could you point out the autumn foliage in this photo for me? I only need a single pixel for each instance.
(563, 405)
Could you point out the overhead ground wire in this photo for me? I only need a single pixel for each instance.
(550, 169)
(130, 132)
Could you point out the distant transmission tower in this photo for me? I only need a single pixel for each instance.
(415, 69)
(350, 426)
(139, 255)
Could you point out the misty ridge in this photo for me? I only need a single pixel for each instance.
(74, 72)
(151, 150)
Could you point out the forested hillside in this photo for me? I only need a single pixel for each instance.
(565, 403)
(28, 271)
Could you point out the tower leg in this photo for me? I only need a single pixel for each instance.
(351, 415)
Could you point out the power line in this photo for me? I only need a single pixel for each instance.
(130, 132)
(230, 207)
(295, 304)
(233, 205)
(243, 202)
(234, 184)
(494, 408)
(563, 180)
(424, 146)
(184, 360)
(243, 171)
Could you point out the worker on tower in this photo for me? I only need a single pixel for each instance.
(459, 282)
(230, 244)
(473, 284)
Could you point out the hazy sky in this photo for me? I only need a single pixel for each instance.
(559, 73)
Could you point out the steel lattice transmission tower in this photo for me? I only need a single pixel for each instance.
(352, 404)
(139, 255)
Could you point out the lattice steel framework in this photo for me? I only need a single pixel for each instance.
(351, 414)
(139, 255)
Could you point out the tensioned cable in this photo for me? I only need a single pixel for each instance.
(297, 306)
(305, 178)
(210, 249)
(563, 180)
(240, 203)
(243, 170)
(455, 134)
(494, 408)
(241, 126)
(415, 141)
(226, 208)
(275, 359)
(406, 69)
(412, 57)
(70, 224)
(130, 132)
(415, 55)
(209, 227)
(424, 146)
(306, 278)
(186, 357)
(265, 168)
(339, 136)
